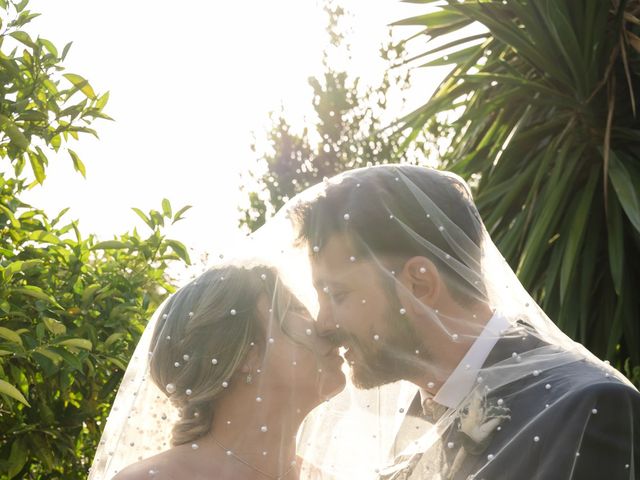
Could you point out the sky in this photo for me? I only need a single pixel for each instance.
(190, 82)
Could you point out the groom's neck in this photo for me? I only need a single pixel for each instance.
(445, 353)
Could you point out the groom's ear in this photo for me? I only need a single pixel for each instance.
(419, 280)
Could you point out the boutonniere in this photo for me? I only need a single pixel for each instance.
(479, 420)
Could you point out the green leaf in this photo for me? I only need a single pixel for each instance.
(87, 295)
(449, 45)
(77, 163)
(43, 236)
(15, 135)
(166, 207)
(65, 50)
(114, 337)
(438, 19)
(77, 343)
(56, 141)
(102, 101)
(35, 292)
(21, 5)
(19, 452)
(454, 57)
(615, 243)
(144, 218)
(54, 326)
(616, 326)
(178, 214)
(51, 355)
(49, 46)
(81, 84)
(37, 166)
(33, 116)
(118, 363)
(576, 231)
(23, 37)
(7, 389)
(157, 218)
(547, 220)
(626, 182)
(110, 245)
(10, 335)
(5, 306)
(70, 359)
(15, 223)
(43, 450)
(180, 250)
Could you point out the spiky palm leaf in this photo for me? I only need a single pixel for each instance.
(549, 137)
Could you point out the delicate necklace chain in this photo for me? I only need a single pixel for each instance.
(244, 462)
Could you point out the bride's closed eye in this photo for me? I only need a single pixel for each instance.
(298, 308)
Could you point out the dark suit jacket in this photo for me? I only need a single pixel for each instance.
(569, 422)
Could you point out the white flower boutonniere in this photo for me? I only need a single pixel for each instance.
(479, 420)
(477, 423)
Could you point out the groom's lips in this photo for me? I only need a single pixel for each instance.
(348, 353)
(332, 352)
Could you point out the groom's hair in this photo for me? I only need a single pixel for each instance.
(387, 207)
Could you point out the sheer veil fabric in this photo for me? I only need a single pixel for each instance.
(453, 371)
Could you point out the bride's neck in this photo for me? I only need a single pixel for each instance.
(261, 432)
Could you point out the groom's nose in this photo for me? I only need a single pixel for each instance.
(325, 324)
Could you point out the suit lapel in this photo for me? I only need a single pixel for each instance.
(455, 451)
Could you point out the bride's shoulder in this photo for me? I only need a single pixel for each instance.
(159, 467)
(177, 463)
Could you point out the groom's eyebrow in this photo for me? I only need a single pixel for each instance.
(320, 283)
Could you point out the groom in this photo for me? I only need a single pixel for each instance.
(396, 255)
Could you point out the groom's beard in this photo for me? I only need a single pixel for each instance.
(391, 358)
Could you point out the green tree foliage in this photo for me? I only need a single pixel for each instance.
(71, 312)
(41, 107)
(548, 135)
(348, 131)
(72, 308)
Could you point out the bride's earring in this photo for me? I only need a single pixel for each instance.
(247, 369)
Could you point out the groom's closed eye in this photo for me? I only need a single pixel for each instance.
(338, 297)
(336, 293)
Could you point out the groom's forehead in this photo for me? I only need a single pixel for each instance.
(335, 260)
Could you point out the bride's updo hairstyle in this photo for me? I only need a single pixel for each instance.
(201, 339)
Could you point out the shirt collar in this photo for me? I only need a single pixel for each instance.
(462, 379)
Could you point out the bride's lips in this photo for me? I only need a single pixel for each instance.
(333, 356)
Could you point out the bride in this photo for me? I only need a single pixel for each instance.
(237, 355)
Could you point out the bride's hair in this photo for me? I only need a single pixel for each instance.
(202, 336)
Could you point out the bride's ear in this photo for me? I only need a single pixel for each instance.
(250, 365)
(419, 280)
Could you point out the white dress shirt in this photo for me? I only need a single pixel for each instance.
(463, 377)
